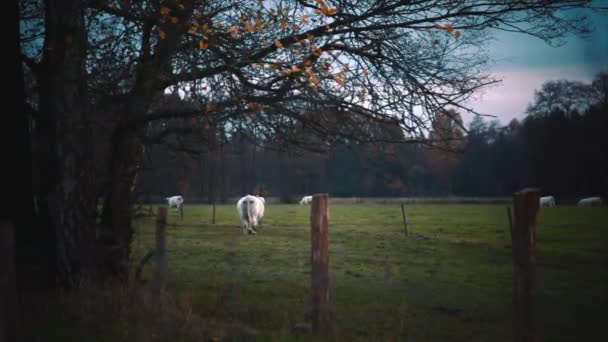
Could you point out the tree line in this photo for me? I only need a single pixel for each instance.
(559, 147)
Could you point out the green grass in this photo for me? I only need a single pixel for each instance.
(450, 280)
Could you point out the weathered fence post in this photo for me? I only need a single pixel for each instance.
(319, 261)
(510, 217)
(523, 242)
(181, 212)
(8, 284)
(404, 218)
(160, 274)
(213, 216)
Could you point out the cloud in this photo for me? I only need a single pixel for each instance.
(524, 63)
(511, 97)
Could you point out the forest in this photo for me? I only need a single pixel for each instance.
(560, 147)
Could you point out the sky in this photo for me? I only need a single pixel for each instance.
(524, 63)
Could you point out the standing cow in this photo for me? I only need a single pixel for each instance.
(251, 210)
(175, 201)
(306, 200)
(547, 201)
(590, 202)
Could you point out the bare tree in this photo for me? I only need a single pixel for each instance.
(264, 65)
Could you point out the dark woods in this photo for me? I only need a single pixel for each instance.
(561, 149)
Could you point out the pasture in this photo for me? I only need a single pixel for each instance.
(451, 279)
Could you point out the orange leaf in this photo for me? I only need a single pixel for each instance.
(259, 23)
(295, 26)
(249, 27)
(278, 44)
(234, 30)
(175, 20)
(283, 24)
(457, 34)
(449, 28)
(331, 11)
(192, 31)
(339, 81)
(304, 18)
(308, 62)
(203, 44)
(324, 8)
(162, 34)
(316, 50)
(164, 10)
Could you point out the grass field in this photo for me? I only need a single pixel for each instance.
(450, 280)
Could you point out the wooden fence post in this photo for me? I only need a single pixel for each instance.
(213, 216)
(160, 275)
(510, 217)
(404, 218)
(523, 242)
(319, 261)
(8, 284)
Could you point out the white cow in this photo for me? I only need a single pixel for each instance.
(251, 211)
(547, 201)
(175, 201)
(590, 202)
(306, 200)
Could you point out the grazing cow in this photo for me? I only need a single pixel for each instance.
(306, 200)
(251, 210)
(547, 201)
(590, 202)
(175, 201)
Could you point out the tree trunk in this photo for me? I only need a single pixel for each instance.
(116, 230)
(34, 243)
(65, 197)
(126, 152)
